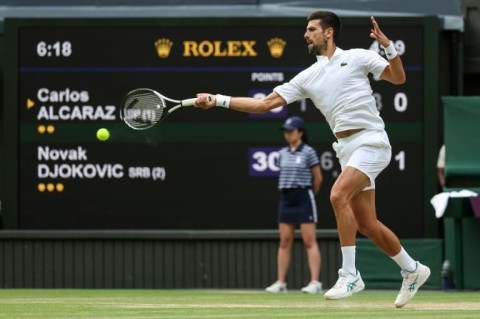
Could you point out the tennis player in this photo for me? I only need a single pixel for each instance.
(339, 87)
(300, 178)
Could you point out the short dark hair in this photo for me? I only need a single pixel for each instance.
(327, 20)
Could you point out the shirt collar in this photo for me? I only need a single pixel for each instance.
(323, 57)
(299, 148)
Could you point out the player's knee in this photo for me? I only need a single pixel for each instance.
(286, 242)
(338, 199)
(309, 242)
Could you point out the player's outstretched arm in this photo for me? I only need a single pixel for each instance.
(242, 104)
(393, 73)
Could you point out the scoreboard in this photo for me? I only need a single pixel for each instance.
(199, 169)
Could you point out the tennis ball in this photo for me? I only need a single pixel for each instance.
(103, 134)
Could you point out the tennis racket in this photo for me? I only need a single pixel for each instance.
(143, 108)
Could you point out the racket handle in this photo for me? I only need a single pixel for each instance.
(188, 102)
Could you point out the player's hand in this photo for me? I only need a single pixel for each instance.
(205, 101)
(377, 34)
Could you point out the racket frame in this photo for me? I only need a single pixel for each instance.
(180, 103)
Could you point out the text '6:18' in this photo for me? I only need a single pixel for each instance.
(55, 49)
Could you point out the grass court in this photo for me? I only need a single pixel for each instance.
(228, 304)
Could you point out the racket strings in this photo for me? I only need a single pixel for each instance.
(142, 109)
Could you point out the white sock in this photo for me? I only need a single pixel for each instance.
(348, 259)
(404, 260)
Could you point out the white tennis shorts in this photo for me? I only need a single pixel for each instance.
(368, 151)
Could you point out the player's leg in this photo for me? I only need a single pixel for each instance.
(348, 184)
(363, 207)
(364, 164)
(414, 273)
(309, 237)
(283, 257)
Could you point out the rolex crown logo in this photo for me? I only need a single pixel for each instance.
(163, 46)
(276, 46)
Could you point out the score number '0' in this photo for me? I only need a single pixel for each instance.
(400, 101)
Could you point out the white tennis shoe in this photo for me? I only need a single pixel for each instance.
(314, 287)
(347, 285)
(277, 287)
(411, 282)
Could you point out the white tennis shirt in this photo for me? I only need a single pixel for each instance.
(339, 87)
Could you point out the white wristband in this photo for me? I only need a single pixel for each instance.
(223, 100)
(390, 51)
